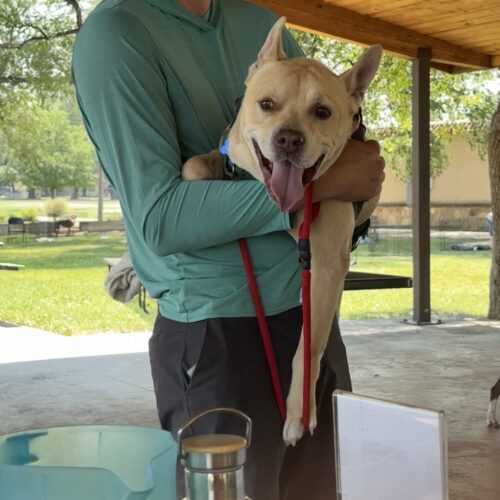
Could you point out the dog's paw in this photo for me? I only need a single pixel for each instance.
(293, 430)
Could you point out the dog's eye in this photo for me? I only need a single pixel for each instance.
(322, 112)
(267, 105)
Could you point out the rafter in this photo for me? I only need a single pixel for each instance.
(321, 16)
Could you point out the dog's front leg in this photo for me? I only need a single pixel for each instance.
(331, 235)
(209, 166)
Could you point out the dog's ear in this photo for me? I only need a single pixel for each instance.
(272, 50)
(359, 77)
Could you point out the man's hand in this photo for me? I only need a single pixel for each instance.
(357, 175)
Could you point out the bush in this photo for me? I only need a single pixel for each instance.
(30, 214)
(56, 207)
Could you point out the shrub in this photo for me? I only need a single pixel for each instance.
(56, 207)
(30, 214)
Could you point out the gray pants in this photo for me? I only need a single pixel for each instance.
(230, 370)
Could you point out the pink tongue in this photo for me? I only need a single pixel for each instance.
(286, 185)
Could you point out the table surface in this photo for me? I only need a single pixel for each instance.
(373, 281)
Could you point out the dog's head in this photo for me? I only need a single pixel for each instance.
(296, 117)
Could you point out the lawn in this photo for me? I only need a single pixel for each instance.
(459, 281)
(85, 208)
(61, 288)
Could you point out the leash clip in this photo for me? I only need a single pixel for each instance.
(305, 253)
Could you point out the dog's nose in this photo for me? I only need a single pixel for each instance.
(289, 141)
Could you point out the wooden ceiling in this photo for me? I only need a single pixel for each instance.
(464, 35)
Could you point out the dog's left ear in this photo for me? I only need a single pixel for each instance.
(272, 50)
(359, 77)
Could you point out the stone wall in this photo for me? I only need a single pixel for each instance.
(453, 217)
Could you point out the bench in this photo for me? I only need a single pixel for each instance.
(7, 266)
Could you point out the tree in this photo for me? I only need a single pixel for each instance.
(36, 38)
(47, 151)
(460, 104)
(8, 176)
(494, 170)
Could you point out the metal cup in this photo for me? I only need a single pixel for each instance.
(213, 463)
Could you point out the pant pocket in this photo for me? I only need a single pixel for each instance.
(194, 341)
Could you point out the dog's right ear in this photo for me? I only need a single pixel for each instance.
(272, 50)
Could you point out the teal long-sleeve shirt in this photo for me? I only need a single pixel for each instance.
(156, 85)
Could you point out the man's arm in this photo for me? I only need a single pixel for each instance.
(123, 96)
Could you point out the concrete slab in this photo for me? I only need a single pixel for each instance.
(450, 367)
(50, 380)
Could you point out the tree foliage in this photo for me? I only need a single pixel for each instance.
(460, 104)
(36, 38)
(47, 151)
(42, 145)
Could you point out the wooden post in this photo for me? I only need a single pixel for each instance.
(421, 186)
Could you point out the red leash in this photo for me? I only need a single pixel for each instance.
(264, 330)
(310, 212)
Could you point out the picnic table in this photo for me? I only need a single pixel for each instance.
(355, 280)
(373, 281)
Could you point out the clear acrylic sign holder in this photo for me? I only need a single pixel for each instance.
(388, 451)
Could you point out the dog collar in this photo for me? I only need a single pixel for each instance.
(231, 170)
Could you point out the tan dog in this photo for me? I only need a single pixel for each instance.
(294, 121)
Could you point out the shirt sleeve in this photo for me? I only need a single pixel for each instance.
(123, 95)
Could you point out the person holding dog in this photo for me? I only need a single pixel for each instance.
(156, 82)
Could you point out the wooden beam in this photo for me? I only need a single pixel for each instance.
(421, 186)
(323, 17)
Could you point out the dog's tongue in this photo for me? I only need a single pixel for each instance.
(286, 185)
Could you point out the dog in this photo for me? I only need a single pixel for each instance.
(295, 118)
(491, 418)
(66, 223)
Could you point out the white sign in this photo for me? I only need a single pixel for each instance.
(388, 451)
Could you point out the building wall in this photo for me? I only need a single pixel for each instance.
(460, 197)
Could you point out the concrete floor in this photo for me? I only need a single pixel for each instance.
(49, 380)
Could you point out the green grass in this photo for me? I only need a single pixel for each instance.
(85, 208)
(459, 281)
(61, 288)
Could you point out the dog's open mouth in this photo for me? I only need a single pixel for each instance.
(284, 181)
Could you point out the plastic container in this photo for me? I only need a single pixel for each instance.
(90, 462)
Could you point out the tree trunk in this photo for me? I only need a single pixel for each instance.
(75, 194)
(31, 194)
(494, 164)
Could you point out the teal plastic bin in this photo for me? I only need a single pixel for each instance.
(89, 462)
